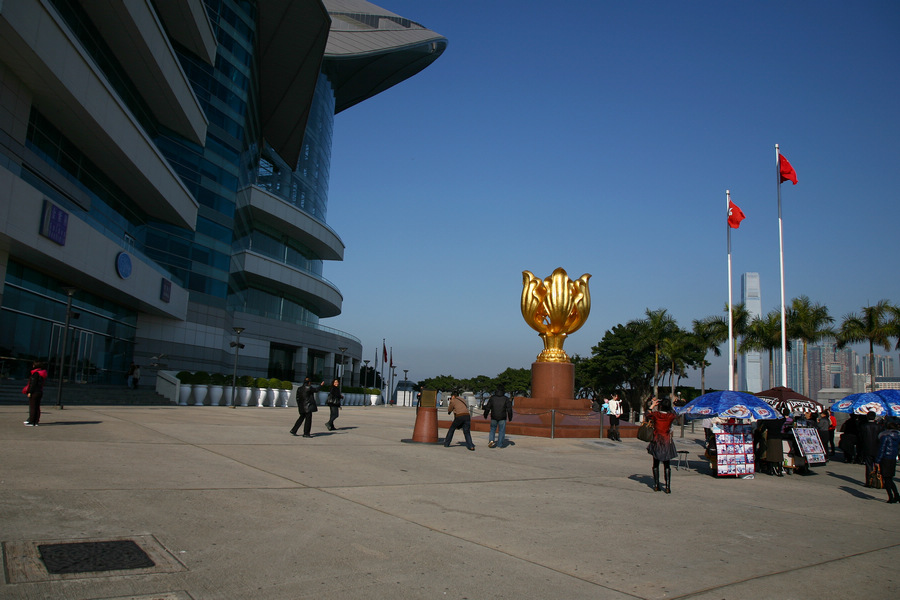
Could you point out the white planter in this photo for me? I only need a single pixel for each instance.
(244, 395)
(200, 392)
(284, 396)
(272, 397)
(261, 397)
(215, 394)
(184, 392)
(227, 395)
(321, 397)
(374, 399)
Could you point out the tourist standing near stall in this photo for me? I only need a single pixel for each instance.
(887, 459)
(662, 446)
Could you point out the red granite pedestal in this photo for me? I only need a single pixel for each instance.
(553, 410)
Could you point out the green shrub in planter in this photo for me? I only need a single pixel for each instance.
(287, 385)
(185, 377)
(274, 384)
(261, 382)
(220, 379)
(245, 381)
(202, 378)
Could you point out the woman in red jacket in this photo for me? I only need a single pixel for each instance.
(662, 446)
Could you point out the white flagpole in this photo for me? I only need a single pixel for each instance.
(730, 316)
(781, 261)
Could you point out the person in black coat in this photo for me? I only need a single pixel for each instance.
(306, 406)
(499, 408)
(334, 403)
(868, 443)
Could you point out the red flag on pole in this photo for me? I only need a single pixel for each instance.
(384, 352)
(787, 171)
(735, 215)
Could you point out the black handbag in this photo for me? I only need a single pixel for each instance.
(645, 432)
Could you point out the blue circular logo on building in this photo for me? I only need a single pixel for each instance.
(123, 265)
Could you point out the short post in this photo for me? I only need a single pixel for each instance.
(552, 423)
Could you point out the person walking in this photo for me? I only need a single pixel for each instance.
(306, 406)
(35, 392)
(889, 444)
(661, 446)
(499, 408)
(614, 411)
(136, 376)
(461, 420)
(333, 402)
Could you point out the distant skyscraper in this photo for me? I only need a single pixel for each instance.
(829, 367)
(751, 362)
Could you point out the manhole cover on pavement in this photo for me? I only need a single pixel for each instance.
(87, 557)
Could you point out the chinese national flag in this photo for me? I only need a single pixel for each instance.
(735, 215)
(384, 352)
(786, 170)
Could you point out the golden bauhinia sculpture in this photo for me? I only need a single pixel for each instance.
(555, 307)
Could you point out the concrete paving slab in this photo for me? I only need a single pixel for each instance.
(253, 512)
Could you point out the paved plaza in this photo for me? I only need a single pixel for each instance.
(228, 504)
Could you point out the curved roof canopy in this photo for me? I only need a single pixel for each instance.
(371, 49)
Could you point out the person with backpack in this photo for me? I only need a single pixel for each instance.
(35, 392)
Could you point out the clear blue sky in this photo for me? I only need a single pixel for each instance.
(600, 137)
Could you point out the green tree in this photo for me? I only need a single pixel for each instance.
(681, 351)
(876, 325)
(808, 323)
(708, 336)
(659, 325)
(622, 361)
(764, 334)
(441, 382)
(516, 381)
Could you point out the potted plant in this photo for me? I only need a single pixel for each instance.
(262, 387)
(217, 385)
(245, 388)
(272, 392)
(201, 387)
(185, 378)
(286, 388)
(374, 395)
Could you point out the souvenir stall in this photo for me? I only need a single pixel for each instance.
(732, 454)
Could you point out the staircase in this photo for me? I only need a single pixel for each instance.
(76, 394)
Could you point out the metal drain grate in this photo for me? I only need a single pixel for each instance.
(89, 557)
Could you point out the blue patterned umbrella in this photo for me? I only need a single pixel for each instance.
(727, 404)
(882, 402)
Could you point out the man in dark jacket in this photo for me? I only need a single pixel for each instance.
(868, 442)
(306, 406)
(499, 409)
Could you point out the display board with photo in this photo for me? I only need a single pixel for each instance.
(734, 449)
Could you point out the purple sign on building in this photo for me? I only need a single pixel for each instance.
(54, 223)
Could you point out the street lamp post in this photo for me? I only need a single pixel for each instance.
(366, 383)
(341, 367)
(237, 345)
(70, 291)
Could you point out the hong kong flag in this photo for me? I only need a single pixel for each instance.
(787, 171)
(735, 215)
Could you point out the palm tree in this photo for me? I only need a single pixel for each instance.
(676, 349)
(659, 325)
(709, 335)
(808, 322)
(877, 325)
(764, 334)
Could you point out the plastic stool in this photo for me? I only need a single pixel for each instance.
(683, 459)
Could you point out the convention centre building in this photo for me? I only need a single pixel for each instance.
(164, 171)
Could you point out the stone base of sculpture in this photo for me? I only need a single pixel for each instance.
(552, 410)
